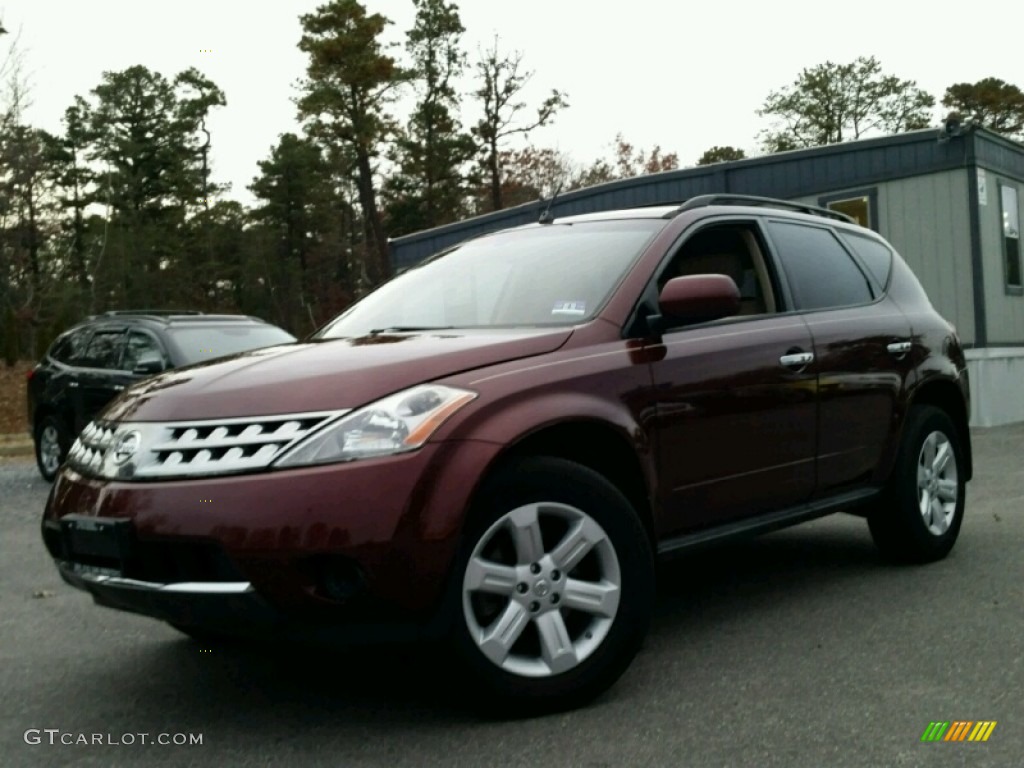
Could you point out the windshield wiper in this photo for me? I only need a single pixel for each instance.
(409, 329)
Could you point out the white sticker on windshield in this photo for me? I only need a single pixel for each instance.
(570, 308)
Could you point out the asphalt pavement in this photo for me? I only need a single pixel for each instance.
(798, 649)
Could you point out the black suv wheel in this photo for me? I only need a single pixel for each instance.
(52, 445)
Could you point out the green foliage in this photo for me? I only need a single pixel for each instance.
(831, 103)
(26, 229)
(301, 226)
(350, 81)
(990, 102)
(145, 130)
(431, 152)
(143, 135)
(721, 155)
(74, 183)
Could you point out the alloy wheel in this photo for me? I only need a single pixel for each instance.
(541, 589)
(49, 449)
(937, 486)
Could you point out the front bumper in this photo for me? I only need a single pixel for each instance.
(228, 606)
(366, 542)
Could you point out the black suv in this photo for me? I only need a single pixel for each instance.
(93, 361)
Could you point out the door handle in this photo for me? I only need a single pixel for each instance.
(797, 359)
(119, 387)
(72, 383)
(899, 348)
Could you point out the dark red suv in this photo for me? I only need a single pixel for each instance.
(496, 445)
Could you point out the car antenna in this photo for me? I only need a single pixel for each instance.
(545, 216)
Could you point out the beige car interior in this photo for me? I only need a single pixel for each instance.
(732, 251)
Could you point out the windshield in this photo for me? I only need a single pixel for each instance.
(560, 274)
(198, 344)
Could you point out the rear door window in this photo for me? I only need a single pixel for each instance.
(104, 349)
(821, 274)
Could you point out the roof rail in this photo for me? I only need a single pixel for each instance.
(158, 312)
(702, 201)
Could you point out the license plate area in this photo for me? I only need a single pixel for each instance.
(97, 544)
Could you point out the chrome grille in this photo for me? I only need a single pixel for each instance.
(167, 450)
(91, 448)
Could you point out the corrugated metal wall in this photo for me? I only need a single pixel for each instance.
(786, 175)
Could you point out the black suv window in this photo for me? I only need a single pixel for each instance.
(876, 257)
(196, 343)
(141, 347)
(104, 350)
(70, 347)
(821, 273)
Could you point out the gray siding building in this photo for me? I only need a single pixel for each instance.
(952, 207)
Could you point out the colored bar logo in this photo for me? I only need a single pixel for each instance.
(959, 730)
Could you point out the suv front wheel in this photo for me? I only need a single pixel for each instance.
(923, 507)
(555, 586)
(52, 446)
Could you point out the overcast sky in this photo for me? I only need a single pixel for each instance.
(682, 75)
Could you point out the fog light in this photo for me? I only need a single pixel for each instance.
(338, 578)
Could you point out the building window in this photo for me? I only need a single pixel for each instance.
(856, 208)
(861, 205)
(1011, 238)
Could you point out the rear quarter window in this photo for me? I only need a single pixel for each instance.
(876, 256)
(70, 347)
(820, 273)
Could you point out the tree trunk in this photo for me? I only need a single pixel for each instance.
(368, 201)
(78, 246)
(492, 166)
(33, 241)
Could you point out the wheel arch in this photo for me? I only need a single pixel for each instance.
(41, 412)
(598, 446)
(947, 396)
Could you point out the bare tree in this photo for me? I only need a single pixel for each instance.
(502, 80)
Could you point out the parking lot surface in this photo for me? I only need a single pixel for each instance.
(800, 648)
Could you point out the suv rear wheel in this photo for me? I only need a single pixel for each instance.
(556, 585)
(919, 519)
(52, 446)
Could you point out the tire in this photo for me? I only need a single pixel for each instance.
(919, 518)
(573, 617)
(52, 445)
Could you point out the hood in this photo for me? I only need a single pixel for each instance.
(323, 375)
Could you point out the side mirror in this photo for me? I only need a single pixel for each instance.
(696, 299)
(148, 365)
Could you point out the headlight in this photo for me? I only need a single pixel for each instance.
(399, 423)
